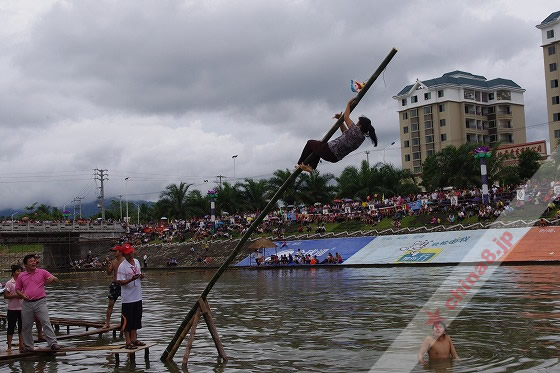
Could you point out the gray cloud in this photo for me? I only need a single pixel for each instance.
(177, 87)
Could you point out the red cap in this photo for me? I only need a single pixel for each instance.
(126, 248)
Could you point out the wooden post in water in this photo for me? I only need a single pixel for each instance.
(187, 323)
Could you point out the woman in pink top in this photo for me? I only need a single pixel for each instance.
(14, 307)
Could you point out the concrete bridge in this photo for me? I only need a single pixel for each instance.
(57, 243)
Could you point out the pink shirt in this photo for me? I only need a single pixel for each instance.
(32, 284)
(14, 304)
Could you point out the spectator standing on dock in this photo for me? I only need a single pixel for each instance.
(30, 285)
(145, 260)
(14, 307)
(115, 287)
(128, 276)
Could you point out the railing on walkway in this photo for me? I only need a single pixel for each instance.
(17, 226)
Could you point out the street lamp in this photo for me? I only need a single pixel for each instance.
(393, 143)
(234, 156)
(126, 200)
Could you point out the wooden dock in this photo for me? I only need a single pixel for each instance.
(57, 322)
(112, 349)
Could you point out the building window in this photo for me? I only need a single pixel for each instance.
(503, 95)
(554, 83)
(429, 152)
(550, 34)
(414, 99)
(555, 117)
(427, 110)
(443, 137)
(407, 157)
(406, 144)
(440, 93)
(413, 113)
(490, 96)
(429, 139)
(416, 156)
(414, 127)
(428, 124)
(551, 50)
(403, 102)
(555, 100)
(405, 129)
(427, 95)
(557, 134)
(552, 66)
(441, 108)
(405, 115)
(468, 94)
(442, 122)
(415, 141)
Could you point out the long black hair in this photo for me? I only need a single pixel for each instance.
(368, 129)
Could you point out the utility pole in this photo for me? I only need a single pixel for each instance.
(101, 175)
(79, 200)
(220, 177)
(367, 157)
(120, 204)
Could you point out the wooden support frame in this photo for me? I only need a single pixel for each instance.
(203, 310)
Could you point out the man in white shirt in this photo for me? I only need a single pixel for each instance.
(128, 276)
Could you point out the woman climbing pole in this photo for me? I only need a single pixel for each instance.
(353, 135)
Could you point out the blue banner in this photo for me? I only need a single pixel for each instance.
(345, 247)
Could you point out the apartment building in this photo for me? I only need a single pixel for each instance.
(454, 109)
(550, 29)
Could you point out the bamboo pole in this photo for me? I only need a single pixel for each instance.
(180, 335)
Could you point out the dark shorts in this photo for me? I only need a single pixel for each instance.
(114, 291)
(13, 317)
(131, 318)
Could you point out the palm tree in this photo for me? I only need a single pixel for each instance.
(290, 194)
(382, 179)
(452, 166)
(229, 199)
(197, 204)
(174, 199)
(254, 194)
(316, 188)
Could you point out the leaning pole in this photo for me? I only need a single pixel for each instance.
(182, 330)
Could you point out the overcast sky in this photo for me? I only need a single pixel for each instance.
(165, 91)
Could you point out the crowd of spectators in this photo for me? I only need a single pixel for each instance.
(449, 206)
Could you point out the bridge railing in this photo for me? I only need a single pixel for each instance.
(60, 227)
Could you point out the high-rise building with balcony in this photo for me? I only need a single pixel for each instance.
(454, 109)
(550, 29)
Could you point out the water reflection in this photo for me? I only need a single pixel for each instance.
(335, 319)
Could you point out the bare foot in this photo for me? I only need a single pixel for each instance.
(105, 326)
(306, 168)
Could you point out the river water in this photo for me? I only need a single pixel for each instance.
(316, 319)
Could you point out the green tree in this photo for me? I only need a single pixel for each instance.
(254, 194)
(452, 166)
(197, 204)
(174, 200)
(229, 199)
(291, 193)
(382, 179)
(316, 188)
(528, 163)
